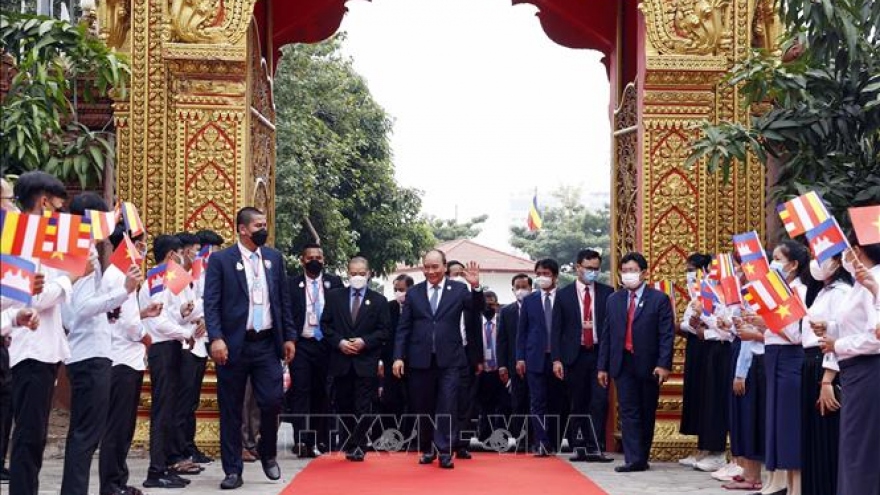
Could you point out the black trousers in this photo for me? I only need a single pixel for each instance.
(125, 395)
(164, 363)
(89, 402)
(467, 405)
(259, 362)
(519, 404)
(637, 398)
(5, 403)
(433, 394)
(494, 403)
(33, 383)
(394, 402)
(548, 406)
(308, 394)
(192, 371)
(354, 396)
(589, 402)
(714, 396)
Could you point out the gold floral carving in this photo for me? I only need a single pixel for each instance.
(625, 174)
(697, 27)
(209, 21)
(114, 22)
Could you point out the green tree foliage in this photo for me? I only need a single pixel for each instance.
(334, 167)
(568, 228)
(451, 229)
(55, 63)
(823, 122)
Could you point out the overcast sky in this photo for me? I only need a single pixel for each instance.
(486, 107)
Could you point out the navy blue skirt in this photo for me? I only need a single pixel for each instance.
(747, 412)
(859, 467)
(783, 366)
(694, 356)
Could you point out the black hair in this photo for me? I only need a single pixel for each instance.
(872, 251)
(452, 263)
(246, 215)
(87, 201)
(406, 280)
(840, 275)
(118, 232)
(164, 244)
(549, 264)
(519, 276)
(311, 245)
(31, 185)
(209, 237)
(487, 294)
(187, 239)
(795, 251)
(700, 260)
(634, 256)
(588, 254)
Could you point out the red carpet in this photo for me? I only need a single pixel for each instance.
(400, 474)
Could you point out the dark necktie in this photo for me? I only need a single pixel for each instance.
(548, 318)
(355, 305)
(630, 316)
(587, 337)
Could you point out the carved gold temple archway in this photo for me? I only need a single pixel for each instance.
(196, 135)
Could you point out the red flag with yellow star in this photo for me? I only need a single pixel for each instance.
(776, 303)
(125, 255)
(176, 278)
(866, 222)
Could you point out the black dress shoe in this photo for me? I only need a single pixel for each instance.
(631, 468)
(271, 469)
(355, 457)
(231, 482)
(463, 454)
(597, 458)
(163, 481)
(579, 457)
(446, 462)
(427, 458)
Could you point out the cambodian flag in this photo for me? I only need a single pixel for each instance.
(827, 240)
(156, 279)
(17, 278)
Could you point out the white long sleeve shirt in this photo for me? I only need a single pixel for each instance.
(164, 327)
(826, 308)
(127, 331)
(188, 294)
(857, 323)
(48, 343)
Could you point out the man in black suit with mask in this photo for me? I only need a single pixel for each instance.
(394, 397)
(521, 285)
(355, 322)
(308, 370)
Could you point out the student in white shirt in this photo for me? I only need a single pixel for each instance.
(88, 367)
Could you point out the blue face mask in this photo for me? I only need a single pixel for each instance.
(779, 266)
(589, 276)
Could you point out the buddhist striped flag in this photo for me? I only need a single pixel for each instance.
(67, 242)
(132, 219)
(803, 214)
(103, 223)
(534, 220)
(666, 287)
(21, 233)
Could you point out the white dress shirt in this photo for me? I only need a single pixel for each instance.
(256, 272)
(163, 328)
(308, 330)
(857, 323)
(581, 287)
(85, 316)
(48, 343)
(712, 330)
(127, 331)
(188, 294)
(792, 333)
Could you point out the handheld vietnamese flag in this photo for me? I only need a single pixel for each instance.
(776, 304)
(67, 243)
(156, 279)
(827, 240)
(751, 254)
(22, 234)
(103, 223)
(803, 213)
(201, 262)
(17, 278)
(176, 278)
(866, 223)
(132, 219)
(126, 255)
(534, 220)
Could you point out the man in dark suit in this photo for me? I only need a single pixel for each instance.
(636, 351)
(308, 394)
(521, 285)
(250, 327)
(394, 397)
(429, 342)
(468, 386)
(355, 321)
(533, 360)
(575, 351)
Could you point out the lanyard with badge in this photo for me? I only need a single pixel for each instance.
(257, 284)
(314, 298)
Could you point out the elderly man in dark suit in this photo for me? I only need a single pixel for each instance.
(574, 348)
(355, 322)
(429, 342)
(250, 327)
(636, 351)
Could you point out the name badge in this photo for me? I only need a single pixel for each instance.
(257, 296)
(313, 319)
(487, 354)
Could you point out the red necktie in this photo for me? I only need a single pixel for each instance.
(630, 316)
(587, 338)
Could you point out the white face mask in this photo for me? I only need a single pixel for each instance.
(521, 294)
(544, 282)
(458, 278)
(823, 271)
(357, 282)
(400, 295)
(848, 266)
(631, 280)
(691, 278)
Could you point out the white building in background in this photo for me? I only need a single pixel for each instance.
(497, 268)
